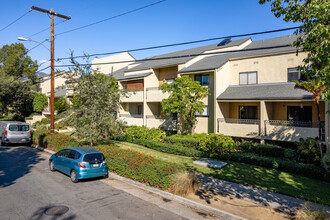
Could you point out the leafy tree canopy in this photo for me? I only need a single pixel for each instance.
(39, 102)
(14, 63)
(96, 103)
(185, 99)
(313, 34)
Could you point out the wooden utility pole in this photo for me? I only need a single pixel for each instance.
(52, 81)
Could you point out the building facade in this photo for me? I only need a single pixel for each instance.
(251, 90)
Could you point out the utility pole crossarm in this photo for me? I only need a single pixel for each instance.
(50, 12)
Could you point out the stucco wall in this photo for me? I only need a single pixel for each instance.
(109, 68)
(270, 69)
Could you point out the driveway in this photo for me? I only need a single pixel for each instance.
(28, 190)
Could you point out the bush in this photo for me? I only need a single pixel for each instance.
(308, 151)
(41, 125)
(326, 162)
(139, 167)
(268, 150)
(137, 132)
(184, 183)
(61, 105)
(38, 137)
(60, 141)
(309, 170)
(168, 148)
(185, 142)
(215, 144)
(39, 102)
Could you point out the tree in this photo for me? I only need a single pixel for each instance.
(185, 100)
(316, 87)
(61, 105)
(96, 103)
(14, 63)
(313, 34)
(39, 102)
(16, 99)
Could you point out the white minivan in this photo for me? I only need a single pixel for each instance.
(15, 132)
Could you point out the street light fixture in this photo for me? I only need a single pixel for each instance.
(29, 39)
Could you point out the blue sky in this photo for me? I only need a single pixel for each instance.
(169, 22)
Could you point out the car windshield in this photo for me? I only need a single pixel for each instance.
(94, 158)
(19, 127)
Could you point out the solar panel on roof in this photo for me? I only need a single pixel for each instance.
(224, 42)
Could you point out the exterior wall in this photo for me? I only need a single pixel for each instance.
(287, 133)
(44, 86)
(270, 69)
(202, 125)
(109, 68)
(239, 130)
(133, 97)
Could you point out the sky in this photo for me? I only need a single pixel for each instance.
(171, 21)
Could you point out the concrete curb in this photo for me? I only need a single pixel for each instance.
(179, 199)
(167, 195)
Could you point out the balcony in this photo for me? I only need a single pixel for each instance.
(133, 96)
(154, 94)
(245, 128)
(292, 130)
(132, 119)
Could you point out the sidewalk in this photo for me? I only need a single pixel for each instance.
(273, 200)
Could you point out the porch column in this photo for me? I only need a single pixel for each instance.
(263, 117)
(144, 103)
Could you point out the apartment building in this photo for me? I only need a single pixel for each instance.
(251, 90)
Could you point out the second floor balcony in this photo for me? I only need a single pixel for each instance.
(155, 94)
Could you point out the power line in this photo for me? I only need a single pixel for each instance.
(116, 16)
(184, 43)
(37, 45)
(182, 56)
(45, 29)
(15, 20)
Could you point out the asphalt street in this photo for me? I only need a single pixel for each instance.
(28, 190)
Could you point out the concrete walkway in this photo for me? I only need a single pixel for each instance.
(271, 199)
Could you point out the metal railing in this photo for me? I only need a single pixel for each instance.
(307, 124)
(238, 121)
(156, 117)
(153, 88)
(130, 116)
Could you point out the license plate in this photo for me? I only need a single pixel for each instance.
(95, 165)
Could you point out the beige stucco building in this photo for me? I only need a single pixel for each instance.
(250, 83)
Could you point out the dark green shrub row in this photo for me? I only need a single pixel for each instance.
(215, 144)
(163, 147)
(268, 150)
(308, 170)
(185, 142)
(144, 133)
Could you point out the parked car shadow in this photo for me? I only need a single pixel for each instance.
(15, 162)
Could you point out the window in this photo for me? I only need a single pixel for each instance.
(247, 78)
(248, 112)
(204, 113)
(74, 154)
(140, 109)
(299, 113)
(204, 79)
(19, 127)
(94, 158)
(294, 74)
(63, 153)
(169, 81)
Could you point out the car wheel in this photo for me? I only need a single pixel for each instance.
(106, 176)
(74, 177)
(52, 166)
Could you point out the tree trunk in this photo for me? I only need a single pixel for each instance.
(319, 127)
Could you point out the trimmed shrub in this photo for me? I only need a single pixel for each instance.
(61, 105)
(268, 150)
(185, 142)
(38, 137)
(139, 167)
(169, 148)
(137, 132)
(308, 170)
(308, 151)
(39, 102)
(60, 141)
(215, 144)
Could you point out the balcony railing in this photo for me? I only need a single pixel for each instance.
(130, 116)
(238, 121)
(307, 124)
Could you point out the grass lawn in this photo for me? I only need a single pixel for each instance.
(264, 178)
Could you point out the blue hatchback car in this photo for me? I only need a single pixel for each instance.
(79, 163)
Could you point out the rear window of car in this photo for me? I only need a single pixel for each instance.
(19, 127)
(94, 158)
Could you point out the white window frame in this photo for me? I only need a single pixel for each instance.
(247, 77)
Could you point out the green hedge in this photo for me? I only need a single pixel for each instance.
(268, 150)
(185, 142)
(308, 170)
(143, 132)
(163, 147)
